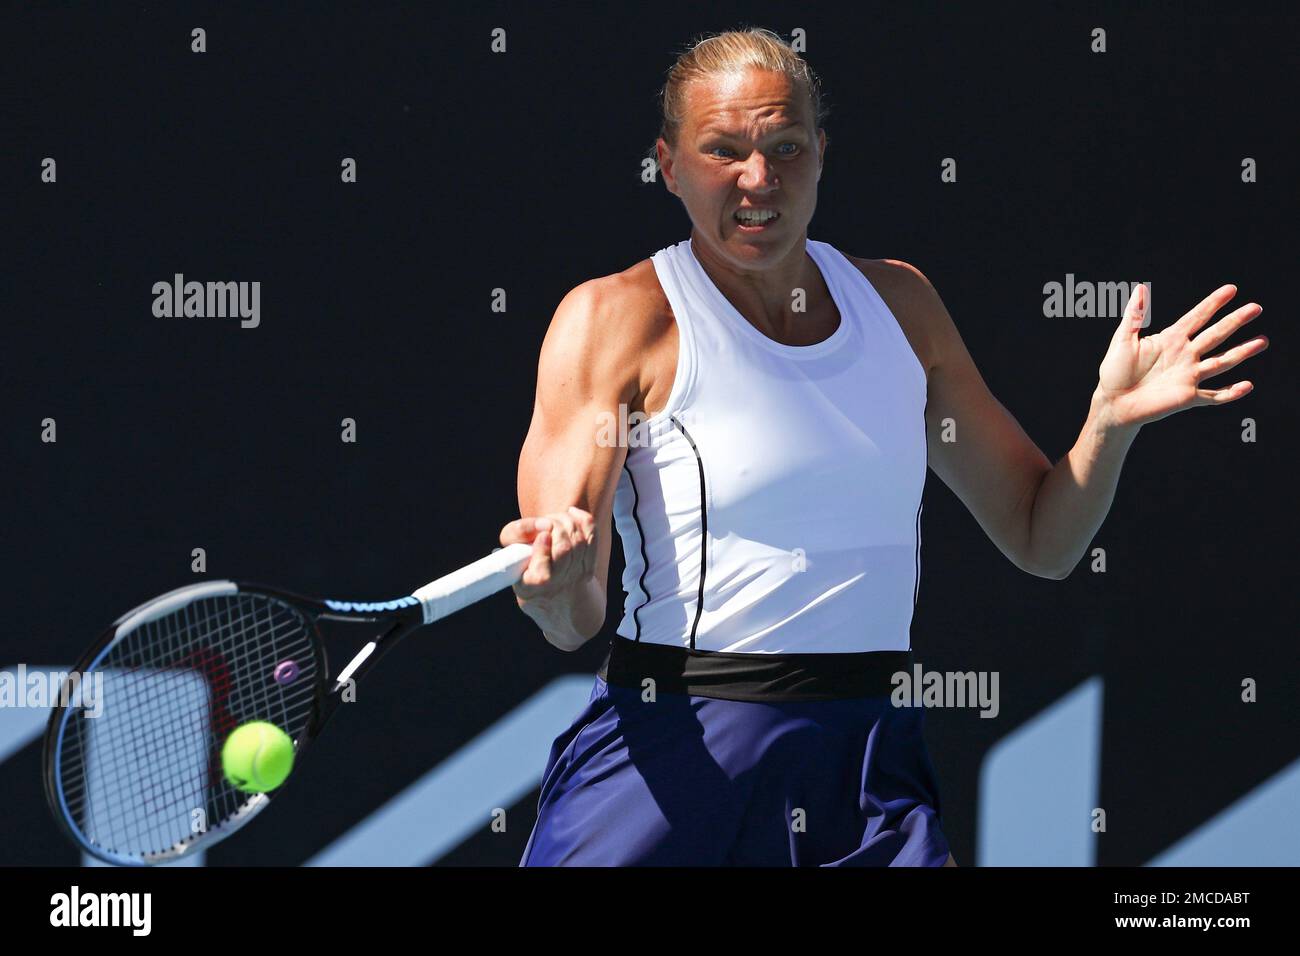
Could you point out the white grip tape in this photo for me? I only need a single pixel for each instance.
(474, 582)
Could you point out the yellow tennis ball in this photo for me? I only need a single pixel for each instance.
(257, 757)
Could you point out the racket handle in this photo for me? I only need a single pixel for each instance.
(486, 576)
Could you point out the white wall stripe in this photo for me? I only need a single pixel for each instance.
(438, 812)
(1040, 784)
(19, 726)
(1259, 829)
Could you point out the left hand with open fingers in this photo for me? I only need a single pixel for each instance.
(1145, 378)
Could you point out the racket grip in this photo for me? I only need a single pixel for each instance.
(486, 576)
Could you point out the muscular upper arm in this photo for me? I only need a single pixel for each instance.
(586, 369)
(975, 445)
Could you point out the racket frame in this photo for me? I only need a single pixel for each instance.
(327, 694)
(396, 618)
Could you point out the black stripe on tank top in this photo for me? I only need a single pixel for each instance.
(916, 589)
(704, 529)
(925, 443)
(645, 562)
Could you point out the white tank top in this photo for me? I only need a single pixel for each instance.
(774, 504)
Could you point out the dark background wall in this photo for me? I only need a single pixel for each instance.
(521, 171)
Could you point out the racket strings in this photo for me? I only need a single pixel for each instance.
(157, 791)
(144, 775)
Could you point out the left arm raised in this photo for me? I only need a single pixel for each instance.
(975, 445)
(1043, 517)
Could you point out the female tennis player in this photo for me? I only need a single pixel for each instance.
(769, 505)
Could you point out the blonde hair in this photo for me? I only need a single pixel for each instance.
(732, 52)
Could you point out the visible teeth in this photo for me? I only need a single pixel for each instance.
(756, 217)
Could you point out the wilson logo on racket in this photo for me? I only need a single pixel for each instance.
(365, 607)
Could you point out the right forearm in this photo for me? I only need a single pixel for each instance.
(570, 619)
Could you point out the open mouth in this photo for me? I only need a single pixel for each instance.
(755, 219)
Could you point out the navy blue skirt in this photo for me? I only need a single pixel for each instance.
(690, 780)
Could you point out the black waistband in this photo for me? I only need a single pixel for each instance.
(755, 677)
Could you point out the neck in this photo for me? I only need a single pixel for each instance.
(765, 293)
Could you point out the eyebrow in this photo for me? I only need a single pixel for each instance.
(719, 131)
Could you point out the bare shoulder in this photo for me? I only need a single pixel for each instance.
(644, 309)
(654, 330)
(620, 327)
(622, 312)
(914, 302)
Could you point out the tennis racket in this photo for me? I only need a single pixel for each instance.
(134, 776)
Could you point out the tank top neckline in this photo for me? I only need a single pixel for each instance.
(732, 315)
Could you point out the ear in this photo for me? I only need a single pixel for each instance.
(821, 152)
(663, 153)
